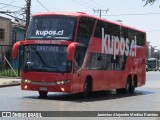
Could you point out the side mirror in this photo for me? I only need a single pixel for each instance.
(71, 50)
(16, 48)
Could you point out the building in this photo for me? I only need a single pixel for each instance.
(9, 34)
(5, 31)
(152, 52)
(157, 54)
(18, 33)
(5, 40)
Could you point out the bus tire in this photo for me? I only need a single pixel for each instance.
(87, 88)
(42, 94)
(120, 91)
(127, 86)
(132, 86)
(126, 89)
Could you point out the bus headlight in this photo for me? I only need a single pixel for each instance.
(26, 81)
(62, 82)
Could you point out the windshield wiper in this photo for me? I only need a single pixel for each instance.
(56, 67)
(41, 58)
(35, 69)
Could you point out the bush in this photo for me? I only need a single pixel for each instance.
(9, 73)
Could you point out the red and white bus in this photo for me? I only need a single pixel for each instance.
(77, 52)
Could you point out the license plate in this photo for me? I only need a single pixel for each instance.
(43, 88)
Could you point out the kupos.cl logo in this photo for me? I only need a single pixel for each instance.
(46, 32)
(118, 46)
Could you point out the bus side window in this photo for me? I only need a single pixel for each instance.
(85, 29)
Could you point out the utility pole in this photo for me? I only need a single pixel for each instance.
(100, 11)
(28, 13)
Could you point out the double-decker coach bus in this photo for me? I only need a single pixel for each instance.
(77, 52)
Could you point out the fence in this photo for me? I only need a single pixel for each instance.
(8, 66)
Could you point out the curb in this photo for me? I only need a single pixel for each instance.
(13, 83)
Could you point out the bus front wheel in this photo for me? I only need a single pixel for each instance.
(87, 88)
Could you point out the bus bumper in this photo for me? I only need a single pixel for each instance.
(49, 88)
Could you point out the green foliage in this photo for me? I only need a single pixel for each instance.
(148, 2)
(8, 73)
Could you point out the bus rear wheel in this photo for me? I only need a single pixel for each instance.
(123, 90)
(130, 87)
(42, 94)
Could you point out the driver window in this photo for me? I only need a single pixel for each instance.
(79, 57)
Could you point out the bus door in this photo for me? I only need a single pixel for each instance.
(76, 80)
(77, 66)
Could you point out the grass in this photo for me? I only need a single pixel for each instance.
(8, 73)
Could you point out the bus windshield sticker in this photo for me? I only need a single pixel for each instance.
(47, 48)
(51, 33)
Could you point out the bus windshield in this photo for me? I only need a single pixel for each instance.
(51, 28)
(46, 58)
(152, 63)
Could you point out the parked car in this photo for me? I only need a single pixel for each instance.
(159, 68)
(147, 68)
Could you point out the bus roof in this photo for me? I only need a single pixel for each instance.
(59, 13)
(78, 14)
(152, 58)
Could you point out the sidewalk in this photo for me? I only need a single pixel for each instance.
(9, 81)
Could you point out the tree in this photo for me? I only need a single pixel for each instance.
(149, 2)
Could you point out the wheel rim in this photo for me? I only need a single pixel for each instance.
(127, 86)
(86, 89)
(133, 84)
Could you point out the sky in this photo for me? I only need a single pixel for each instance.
(131, 12)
